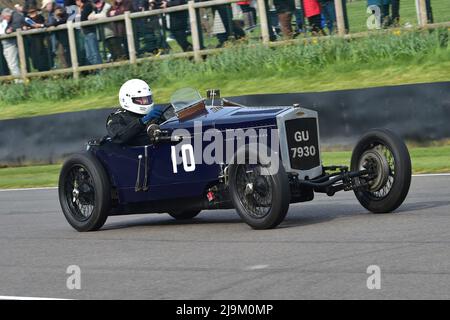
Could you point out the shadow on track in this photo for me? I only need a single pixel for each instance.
(297, 216)
(417, 206)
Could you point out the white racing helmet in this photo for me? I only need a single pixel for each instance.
(136, 96)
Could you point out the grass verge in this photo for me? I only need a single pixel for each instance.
(424, 159)
(29, 177)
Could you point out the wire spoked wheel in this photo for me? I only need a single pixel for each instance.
(379, 160)
(260, 195)
(254, 190)
(84, 192)
(386, 158)
(80, 193)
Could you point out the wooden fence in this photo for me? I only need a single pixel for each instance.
(197, 52)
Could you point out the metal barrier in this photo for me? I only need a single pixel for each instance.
(70, 61)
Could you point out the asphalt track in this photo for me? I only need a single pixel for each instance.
(321, 251)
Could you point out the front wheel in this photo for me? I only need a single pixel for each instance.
(84, 192)
(260, 197)
(386, 157)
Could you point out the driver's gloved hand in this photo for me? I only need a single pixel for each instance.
(153, 114)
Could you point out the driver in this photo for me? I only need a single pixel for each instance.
(128, 124)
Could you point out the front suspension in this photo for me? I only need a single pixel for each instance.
(337, 178)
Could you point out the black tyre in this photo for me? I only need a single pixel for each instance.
(84, 192)
(184, 215)
(387, 157)
(262, 200)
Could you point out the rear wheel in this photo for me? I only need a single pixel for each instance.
(84, 192)
(260, 197)
(184, 215)
(386, 157)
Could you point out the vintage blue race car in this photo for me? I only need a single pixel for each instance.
(167, 176)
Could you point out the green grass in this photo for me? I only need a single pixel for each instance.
(320, 81)
(28, 177)
(424, 159)
(308, 65)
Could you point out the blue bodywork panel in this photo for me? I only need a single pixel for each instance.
(121, 162)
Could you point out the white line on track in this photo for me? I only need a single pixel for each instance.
(55, 188)
(27, 298)
(257, 267)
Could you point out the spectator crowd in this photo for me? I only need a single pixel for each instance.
(107, 42)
